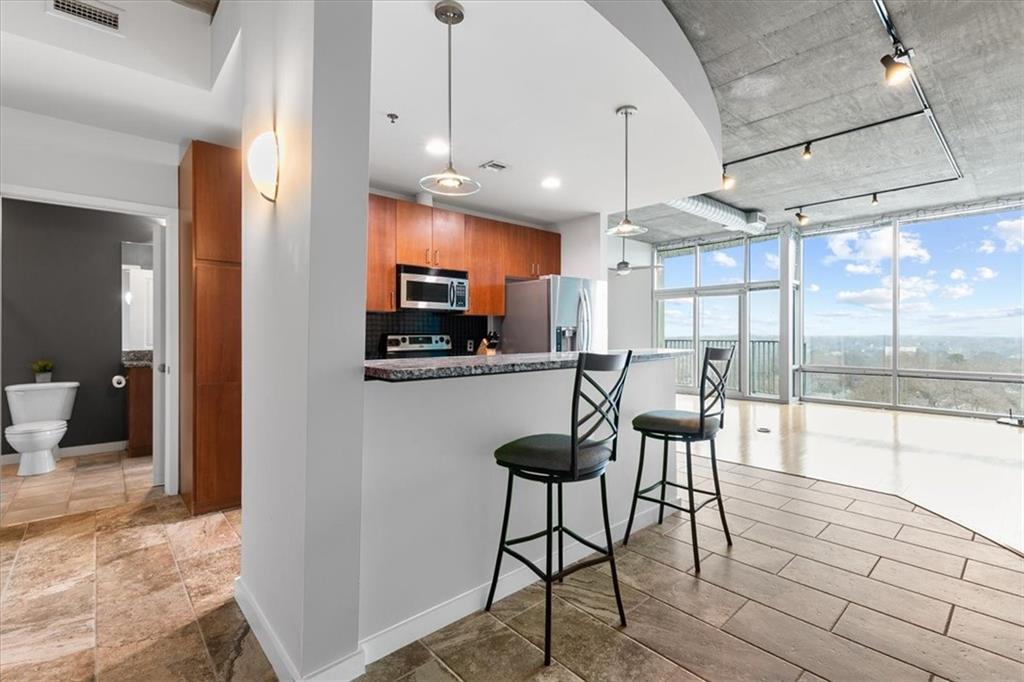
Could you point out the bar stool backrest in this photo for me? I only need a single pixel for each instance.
(596, 423)
(712, 385)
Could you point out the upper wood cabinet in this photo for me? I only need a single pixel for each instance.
(449, 240)
(381, 254)
(517, 251)
(546, 252)
(217, 203)
(484, 243)
(414, 229)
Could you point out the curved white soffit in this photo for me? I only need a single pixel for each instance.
(655, 32)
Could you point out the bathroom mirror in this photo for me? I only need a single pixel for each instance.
(136, 296)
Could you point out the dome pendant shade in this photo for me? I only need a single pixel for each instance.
(623, 268)
(626, 227)
(449, 183)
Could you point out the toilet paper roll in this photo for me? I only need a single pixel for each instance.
(118, 381)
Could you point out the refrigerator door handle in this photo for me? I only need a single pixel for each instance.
(584, 344)
(581, 316)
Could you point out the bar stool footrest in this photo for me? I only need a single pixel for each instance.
(666, 503)
(603, 551)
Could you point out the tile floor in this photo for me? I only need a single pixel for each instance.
(138, 591)
(78, 484)
(823, 581)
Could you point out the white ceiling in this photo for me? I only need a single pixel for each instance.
(538, 92)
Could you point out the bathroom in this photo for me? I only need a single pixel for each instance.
(77, 328)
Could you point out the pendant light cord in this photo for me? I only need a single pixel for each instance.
(451, 151)
(626, 211)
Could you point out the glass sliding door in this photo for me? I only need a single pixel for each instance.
(720, 328)
(675, 330)
(763, 356)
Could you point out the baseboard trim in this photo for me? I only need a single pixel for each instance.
(74, 451)
(415, 627)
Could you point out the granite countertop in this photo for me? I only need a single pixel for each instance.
(416, 369)
(137, 358)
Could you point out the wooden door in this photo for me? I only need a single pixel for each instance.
(546, 252)
(216, 175)
(516, 252)
(414, 225)
(486, 266)
(449, 240)
(380, 254)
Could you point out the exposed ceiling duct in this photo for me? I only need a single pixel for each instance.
(730, 218)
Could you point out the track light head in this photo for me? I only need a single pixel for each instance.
(874, 199)
(806, 153)
(728, 181)
(801, 217)
(895, 71)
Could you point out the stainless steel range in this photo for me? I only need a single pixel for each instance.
(395, 346)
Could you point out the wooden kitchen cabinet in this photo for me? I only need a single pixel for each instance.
(414, 228)
(486, 267)
(140, 411)
(546, 252)
(517, 252)
(449, 240)
(381, 257)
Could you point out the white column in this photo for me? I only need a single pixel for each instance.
(307, 75)
(585, 254)
(787, 273)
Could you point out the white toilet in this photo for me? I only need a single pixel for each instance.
(39, 414)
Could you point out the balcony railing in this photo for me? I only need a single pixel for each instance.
(764, 363)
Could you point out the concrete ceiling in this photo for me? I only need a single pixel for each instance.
(788, 70)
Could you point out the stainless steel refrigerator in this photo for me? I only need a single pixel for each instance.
(549, 314)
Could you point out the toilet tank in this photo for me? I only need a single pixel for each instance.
(41, 402)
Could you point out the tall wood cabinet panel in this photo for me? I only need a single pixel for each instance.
(210, 343)
(449, 240)
(546, 252)
(486, 269)
(414, 227)
(380, 254)
(517, 252)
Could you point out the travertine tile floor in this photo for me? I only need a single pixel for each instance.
(823, 581)
(78, 484)
(139, 591)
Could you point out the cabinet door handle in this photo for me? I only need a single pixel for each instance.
(427, 252)
(436, 254)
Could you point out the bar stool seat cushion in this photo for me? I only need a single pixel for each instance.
(551, 452)
(676, 422)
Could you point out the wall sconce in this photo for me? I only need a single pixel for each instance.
(263, 164)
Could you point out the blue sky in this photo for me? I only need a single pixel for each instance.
(961, 276)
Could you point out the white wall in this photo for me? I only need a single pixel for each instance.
(307, 74)
(584, 254)
(61, 156)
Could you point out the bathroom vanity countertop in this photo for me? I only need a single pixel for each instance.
(137, 358)
(417, 369)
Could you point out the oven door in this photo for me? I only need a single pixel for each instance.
(427, 292)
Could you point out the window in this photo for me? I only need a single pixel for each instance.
(764, 259)
(962, 294)
(675, 330)
(764, 342)
(965, 396)
(721, 263)
(676, 270)
(859, 388)
(719, 328)
(847, 297)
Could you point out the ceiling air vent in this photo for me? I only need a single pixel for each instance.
(95, 14)
(495, 166)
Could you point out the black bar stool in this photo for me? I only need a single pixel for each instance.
(679, 425)
(554, 459)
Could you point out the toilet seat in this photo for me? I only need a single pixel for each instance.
(35, 427)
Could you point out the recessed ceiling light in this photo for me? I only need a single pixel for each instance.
(550, 183)
(437, 147)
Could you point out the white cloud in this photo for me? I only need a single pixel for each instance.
(878, 298)
(871, 247)
(1012, 233)
(986, 273)
(861, 269)
(724, 259)
(957, 291)
(914, 293)
(987, 246)
(986, 314)
(771, 261)
(813, 288)
(957, 274)
(931, 273)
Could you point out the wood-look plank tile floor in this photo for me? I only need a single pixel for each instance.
(823, 582)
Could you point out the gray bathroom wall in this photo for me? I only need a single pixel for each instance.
(61, 285)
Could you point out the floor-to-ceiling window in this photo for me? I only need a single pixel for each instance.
(722, 294)
(921, 314)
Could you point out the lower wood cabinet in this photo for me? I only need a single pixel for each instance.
(140, 411)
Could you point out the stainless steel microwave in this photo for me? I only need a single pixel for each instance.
(421, 288)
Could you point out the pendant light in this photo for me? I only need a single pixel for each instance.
(450, 183)
(626, 228)
(623, 268)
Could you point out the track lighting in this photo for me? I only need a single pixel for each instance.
(874, 199)
(806, 154)
(895, 71)
(728, 181)
(801, 217)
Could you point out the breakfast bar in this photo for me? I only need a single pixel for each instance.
(432, 495)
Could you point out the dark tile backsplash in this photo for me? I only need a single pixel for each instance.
(460, 327)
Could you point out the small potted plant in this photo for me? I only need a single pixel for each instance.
(43, 370)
